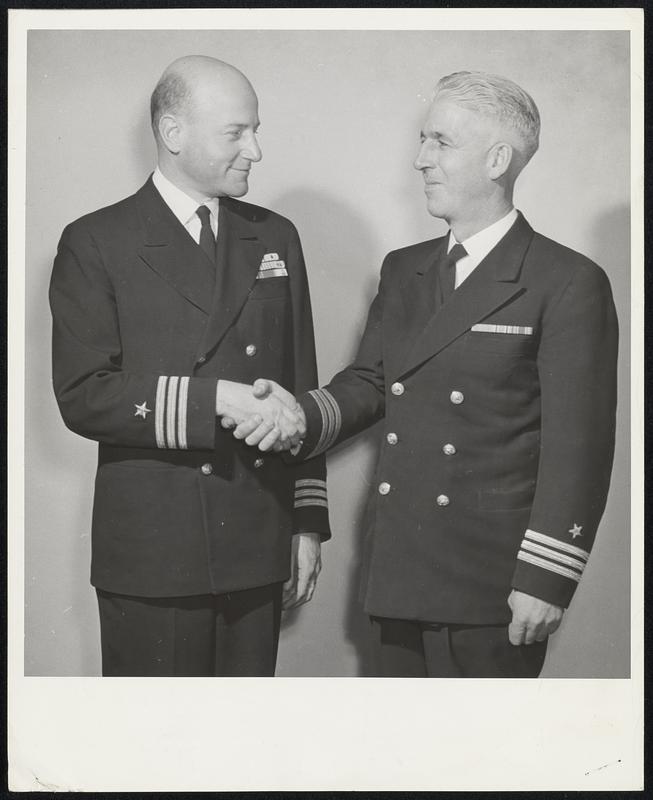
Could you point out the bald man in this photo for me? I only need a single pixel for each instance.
(164, 305)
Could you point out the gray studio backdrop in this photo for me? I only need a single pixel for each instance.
(340, 116)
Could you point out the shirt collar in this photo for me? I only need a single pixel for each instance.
(182, 205)
(480, 244)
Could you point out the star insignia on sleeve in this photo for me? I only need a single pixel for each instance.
(142, 410)
(575, 530)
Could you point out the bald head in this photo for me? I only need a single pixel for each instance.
(205, 118)
(193, 81)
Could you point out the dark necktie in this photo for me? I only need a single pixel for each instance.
(447, 271)
(207, 239)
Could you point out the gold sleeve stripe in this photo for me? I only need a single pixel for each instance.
(171, 414)
(312, 502)
(310, 482)
(159, 412)
(547, 552)
(331, 420)
(310, 493)
(541, 562)
(325, 422)
(549, 541)
(182, 420)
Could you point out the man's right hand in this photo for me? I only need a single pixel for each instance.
(265, 414)
(256, 432)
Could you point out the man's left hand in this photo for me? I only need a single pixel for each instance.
(305, 566)
(532, 619)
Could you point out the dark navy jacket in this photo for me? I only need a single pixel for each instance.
(499, 415)
(142, 332)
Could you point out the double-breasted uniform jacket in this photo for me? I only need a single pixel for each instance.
(144, 326)
(499, 428)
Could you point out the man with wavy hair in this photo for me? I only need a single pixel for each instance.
(491, 354)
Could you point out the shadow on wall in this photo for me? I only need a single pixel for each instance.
(356, 621)
(357, 459)
(611, 245)
(343, 260)
(60, 471)
(143, 147)
(594, 638)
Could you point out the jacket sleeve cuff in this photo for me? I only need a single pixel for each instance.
(323, 424)
(312, 520)
(311, 507)
(199, 411)
(548, 568)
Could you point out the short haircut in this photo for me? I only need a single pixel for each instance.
(171, 95)
(497, 97)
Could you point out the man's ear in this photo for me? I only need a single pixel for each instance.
(499, 159)
(170, 133)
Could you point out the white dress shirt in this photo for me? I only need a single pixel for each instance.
(184, 207)
(480, 244)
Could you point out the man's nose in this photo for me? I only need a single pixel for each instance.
(252, 151)
(424, 157)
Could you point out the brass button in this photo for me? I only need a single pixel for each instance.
(207, 469)
(392, 438)
(397, 388)
(449, 450)
(384, 488)
(442, 500)
(258, 463)
(251, 350)
(456, 397)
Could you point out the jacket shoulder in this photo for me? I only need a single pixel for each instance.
(563, 263)
(121, 214)
(414, 252)
(258, 215)
(404, 260)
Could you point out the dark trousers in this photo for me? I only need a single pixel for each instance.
(406, 649)
(233, 634)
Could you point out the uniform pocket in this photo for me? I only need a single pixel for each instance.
(265, 288)
(515, 344)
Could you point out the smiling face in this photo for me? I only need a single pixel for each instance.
(212, 144)
(454, 158)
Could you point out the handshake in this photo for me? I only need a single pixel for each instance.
(264, 414)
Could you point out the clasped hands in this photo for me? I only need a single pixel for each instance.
(264, 414)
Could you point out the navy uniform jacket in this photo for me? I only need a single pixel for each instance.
(142, 331)
(499, 428)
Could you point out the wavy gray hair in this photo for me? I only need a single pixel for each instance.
(498, 97)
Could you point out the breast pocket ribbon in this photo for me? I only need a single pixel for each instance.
(524, 330)
(271, 267)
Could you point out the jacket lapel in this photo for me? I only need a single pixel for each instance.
(417, 295)
(492, 284)
(171, 252)
(239, 256)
